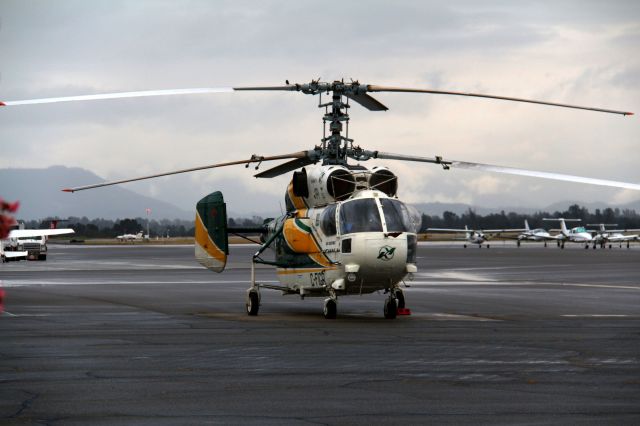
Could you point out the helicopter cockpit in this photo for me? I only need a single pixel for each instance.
(377, 215)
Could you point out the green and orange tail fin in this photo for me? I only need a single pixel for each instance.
(211, 237)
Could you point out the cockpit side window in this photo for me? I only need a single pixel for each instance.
(397, 216)
(360, 216)
(328, 220)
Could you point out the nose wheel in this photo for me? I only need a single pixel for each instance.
(330, 308)
(390, 307)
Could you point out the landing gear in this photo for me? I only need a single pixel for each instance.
(253, 302)
(562, 245)
(545, 243)
(330, 308)
(399, 298)
(464, 245)
(390, 307)
(587, 247)
(488, 245)
(518, 243)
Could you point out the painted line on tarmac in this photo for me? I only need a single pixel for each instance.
(26, 283)
(596, 315)
(515, 284)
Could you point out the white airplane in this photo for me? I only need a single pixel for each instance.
(538, 234)
(474, 236)
(578, 234)
(131, 237)
(28, 243)
(604, 236)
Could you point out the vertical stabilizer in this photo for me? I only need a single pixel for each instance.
(526, 225)
(211, 239)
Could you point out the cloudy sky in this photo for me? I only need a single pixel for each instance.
(579, 52)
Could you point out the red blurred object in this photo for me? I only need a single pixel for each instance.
(1, 300)
(404, 311)
(7, 221)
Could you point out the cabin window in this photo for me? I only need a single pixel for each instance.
(360, 216)
(328, 221)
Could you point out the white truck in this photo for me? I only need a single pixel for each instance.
(30, 244)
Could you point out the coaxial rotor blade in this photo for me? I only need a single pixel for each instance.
(254, 159)
(286, 167)
(375, 88)
(367, 101)
(146, 93)
(508, 170)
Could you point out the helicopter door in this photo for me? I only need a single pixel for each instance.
(211, 239)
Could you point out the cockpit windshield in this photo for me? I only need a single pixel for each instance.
(360, 216)
(398, 217)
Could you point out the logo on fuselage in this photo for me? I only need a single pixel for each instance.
(386, 253)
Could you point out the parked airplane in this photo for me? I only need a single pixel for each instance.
(132, 237)
(474, 236)
(604, 236)
(28, 243)
(578, 234)
(538, 234)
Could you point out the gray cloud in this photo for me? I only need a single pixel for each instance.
(576, 52)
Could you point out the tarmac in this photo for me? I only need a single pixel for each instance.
(144, 335)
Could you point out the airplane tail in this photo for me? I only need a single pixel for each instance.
(211, 236)
(526, 225)
(468, 234)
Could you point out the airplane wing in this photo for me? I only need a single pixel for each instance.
(26, 233)
(448, 230)
(497, 231)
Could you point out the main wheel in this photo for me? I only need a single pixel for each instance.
(253, 303)
(390, 308)
(330, 309)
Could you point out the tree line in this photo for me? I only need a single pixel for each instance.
(106, 228)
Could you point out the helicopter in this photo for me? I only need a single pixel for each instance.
(345, 231)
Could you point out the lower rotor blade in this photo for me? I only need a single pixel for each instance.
(509, 170)
(367, 101)
(285, 168)
(253, 159)
(374, 88)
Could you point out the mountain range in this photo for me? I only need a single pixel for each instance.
(40, 196)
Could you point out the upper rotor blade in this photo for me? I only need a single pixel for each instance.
(253, 159)
(145, 93)
(119, 95)
(509, 170)
(374, 88)
(285, 167)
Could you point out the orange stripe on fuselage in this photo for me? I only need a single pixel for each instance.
(291, 271)
(298, 202)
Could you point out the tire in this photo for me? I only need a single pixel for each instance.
(330, 309)
(390, 308)
(253, 303)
